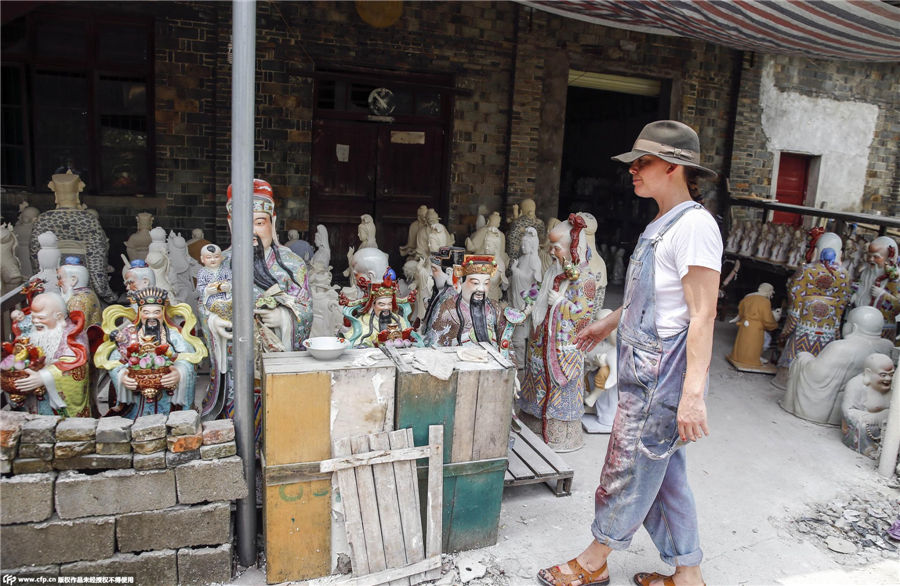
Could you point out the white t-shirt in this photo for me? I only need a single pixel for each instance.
(694, 240)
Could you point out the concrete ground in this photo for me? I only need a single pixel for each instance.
(759, 470)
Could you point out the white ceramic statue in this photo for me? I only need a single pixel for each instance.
(493, 246)
(604, 394)
(525, 271)
(815, 382)
(520, 221)
(322, 255)
(434, 236)
(796, 255)
(301, 248)
(10, 272)
(158, 260)
(782, 247)
(196, 243)
(546, 257)
(734, 237)
(865, 407)
(879, 283)
(481, 218)
(748, 242)
(182, 270)
(48, 261)
(424, 285)
(420, 223)
(138, 244)
(23, 228)
(491, 229)
(597, 264)
(367, 266)
(366, 232)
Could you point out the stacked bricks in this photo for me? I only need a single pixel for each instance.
(164, 524)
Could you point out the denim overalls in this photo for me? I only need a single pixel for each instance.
(644, 477)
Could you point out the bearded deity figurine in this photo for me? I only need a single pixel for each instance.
(138, 244)
(524, 219)
(879, 283)
(552, 397)
(23, 229)
(446, 271)
(46, 371)
(865, 405)
(381, 319)
(196, 243)
(471, 317)
(818, 294)
(417, 273)
(70, 221)
(420, 223)
(10, 272)
(755, 318)
(75, 288)
(151, 361)
(48, 261)
(851, 248)
(283, 310)
(546, 258)
(475, 242)
(815, 383)
(137, 275)
(434, 236)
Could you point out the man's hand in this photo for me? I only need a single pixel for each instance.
(171, 379)
(29, 383)
(588, 338)
(691, 418)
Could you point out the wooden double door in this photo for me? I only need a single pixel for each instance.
(383, 169)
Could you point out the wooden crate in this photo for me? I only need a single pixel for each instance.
(475, 408)
(532, 461)
(307, 404)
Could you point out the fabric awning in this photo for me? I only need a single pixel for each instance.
(851, 30)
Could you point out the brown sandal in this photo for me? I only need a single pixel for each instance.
(580, 575)
(645, 579)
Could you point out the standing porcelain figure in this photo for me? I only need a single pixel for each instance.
(475, 242)
(158, 260)
(604, 393)
(48, 258)
(71, 222)
(23, 229)
(214, 295)
(755, 318)
(734, 238)
(525, 271)
(53, 356)
(596, 262)
(138, 244)
(282, 313)
(517, 228)
(301, 248)
(420, 223)
(196, 243)
(818, 295)
(879, 283)
(75, 288)
(322, 255)
(182, 271)
(553, 388)
(547, 258)
(152, 358)
(366, 232)
(434, 236)
(815, 382)
(327, 316)
(865, 406)
(10, 272)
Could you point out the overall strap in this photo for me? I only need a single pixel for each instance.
(670, 223)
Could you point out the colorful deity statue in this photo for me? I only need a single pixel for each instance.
(471, 316)
(150, 358)
(818, 294)
(75, 288)
(381, 318)
(282, 305)
(553, 386)
(45, 370)
(755, 318)
(879, 283)
(71, 222)
(865, 405)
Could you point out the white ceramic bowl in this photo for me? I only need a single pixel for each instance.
(326, 347)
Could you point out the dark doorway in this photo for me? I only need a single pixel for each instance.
(599, 125)
(379, 148)
(793, 177)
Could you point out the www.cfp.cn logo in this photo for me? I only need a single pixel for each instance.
(9, 579)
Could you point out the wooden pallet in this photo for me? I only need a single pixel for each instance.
(532, 461)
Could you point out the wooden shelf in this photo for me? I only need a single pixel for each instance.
(882, 222)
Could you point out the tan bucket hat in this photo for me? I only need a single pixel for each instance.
(669, 140)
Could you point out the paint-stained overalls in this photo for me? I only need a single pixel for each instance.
(644, 478)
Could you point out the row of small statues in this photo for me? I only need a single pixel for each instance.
(784, 244)
(823, 366)
(141, 356)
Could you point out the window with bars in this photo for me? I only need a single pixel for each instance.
(77, 93)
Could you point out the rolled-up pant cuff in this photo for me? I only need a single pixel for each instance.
(607, 540)
(690, 559)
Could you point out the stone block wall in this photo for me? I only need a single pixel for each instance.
(170, 524)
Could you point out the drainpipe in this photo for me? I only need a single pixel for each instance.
(242, 140)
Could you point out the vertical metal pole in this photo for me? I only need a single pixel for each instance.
(242, 139)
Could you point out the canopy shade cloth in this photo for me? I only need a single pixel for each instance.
(850, 30)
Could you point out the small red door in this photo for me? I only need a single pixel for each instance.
(793, 174)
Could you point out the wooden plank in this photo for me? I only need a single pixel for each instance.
(517, 468)
(493, 415)
(373, 457)
(297, 516)
(362, 400)
(389, 509)
(291, 473)
(368, 504)
(544, 450)
(435, 505)
(464, 428)
(424, 400)
(532, 458)
(413, 570)
(352, 514)
(408, 495)
(503, 361)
